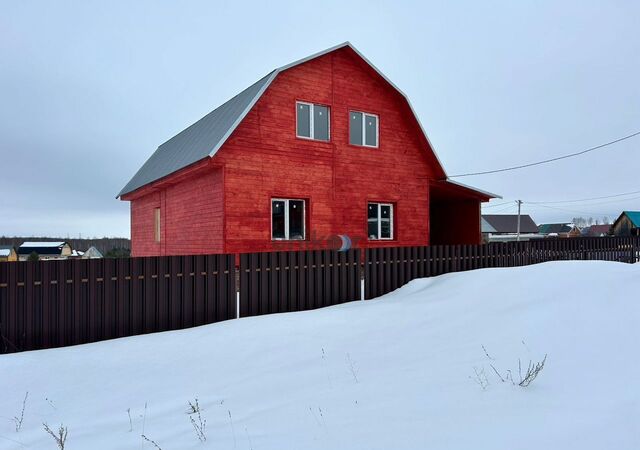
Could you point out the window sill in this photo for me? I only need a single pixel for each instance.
(306, 139)
(364, 146)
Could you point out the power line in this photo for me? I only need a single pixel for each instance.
(592, 198)
(570, 155)
(505, 209)
(596, 203)
(496, 204)
(574, 211)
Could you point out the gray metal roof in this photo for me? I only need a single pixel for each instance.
(485, 227)
(508, 223)
(200, 140)
(205, 137)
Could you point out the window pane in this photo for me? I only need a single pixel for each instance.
(303, 120)
(296, 219)
(372, 215)
(355, 128)
(385, 211)
(385, 229)
(371, 130)
(320, 123)
(385, 221)
(277, 219)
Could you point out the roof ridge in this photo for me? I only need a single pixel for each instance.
(206, 136)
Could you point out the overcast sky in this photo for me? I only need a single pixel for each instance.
(88, 90)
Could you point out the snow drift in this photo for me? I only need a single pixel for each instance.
(398, 372)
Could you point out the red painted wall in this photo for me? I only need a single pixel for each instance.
(264, 159)
(228, 209)
(142, 222)
(191, 215)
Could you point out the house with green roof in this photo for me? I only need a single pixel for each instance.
(628, 224)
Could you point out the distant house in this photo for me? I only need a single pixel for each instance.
(45, 250)
(628, 224)
(504, 227)
(564, 230)
(92, 253)
(8, 253)
(596, 230)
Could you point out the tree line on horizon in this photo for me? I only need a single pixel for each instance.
(114, 247)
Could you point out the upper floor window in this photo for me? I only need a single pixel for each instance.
(287, 219)
(363, 129)
(380, 220)
(312, 121)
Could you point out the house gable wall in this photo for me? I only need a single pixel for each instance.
(264, 159)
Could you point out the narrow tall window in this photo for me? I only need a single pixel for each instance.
(156, 224)
(363, 129)
(380, 221)
(287, 219)
(312, 121)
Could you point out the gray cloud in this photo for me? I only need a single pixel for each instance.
(89, 90)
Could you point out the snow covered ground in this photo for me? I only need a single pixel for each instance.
(397, 372)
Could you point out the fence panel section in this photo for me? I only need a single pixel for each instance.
(387, 269)
(45, 304)
(296, 281)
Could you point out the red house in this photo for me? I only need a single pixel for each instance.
(324, 146)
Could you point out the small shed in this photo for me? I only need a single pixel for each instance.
(45, 250)
(8, 253)
(92, 253)
(504, 228)
(508, 223)
(628, 224)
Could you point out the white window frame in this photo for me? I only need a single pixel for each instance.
(286, 218)
(380, 238)
(311, 118)
(364, 128)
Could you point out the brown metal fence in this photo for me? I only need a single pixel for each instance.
(387, 269)
(48, 304)
(296, 281)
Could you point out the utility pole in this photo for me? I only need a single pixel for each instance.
(519, 204)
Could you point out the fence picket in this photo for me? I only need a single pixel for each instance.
(56, 303)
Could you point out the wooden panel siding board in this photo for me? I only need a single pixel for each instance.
(263, 157)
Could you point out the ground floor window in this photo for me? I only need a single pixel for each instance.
(287, 219)
(380, 221)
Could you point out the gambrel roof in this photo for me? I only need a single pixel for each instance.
(205, 137)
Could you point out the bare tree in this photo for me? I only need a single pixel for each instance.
(532, 372)
(200, 424)
(151, 441)
(60, 437)
(18, 420)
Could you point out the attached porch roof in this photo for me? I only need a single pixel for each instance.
(453, 190)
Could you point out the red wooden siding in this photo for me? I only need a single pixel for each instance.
(191, 217)
(264, 159)
(223, 205)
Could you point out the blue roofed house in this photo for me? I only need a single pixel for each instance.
(628, 224)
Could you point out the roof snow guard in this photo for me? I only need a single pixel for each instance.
(205, 137)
